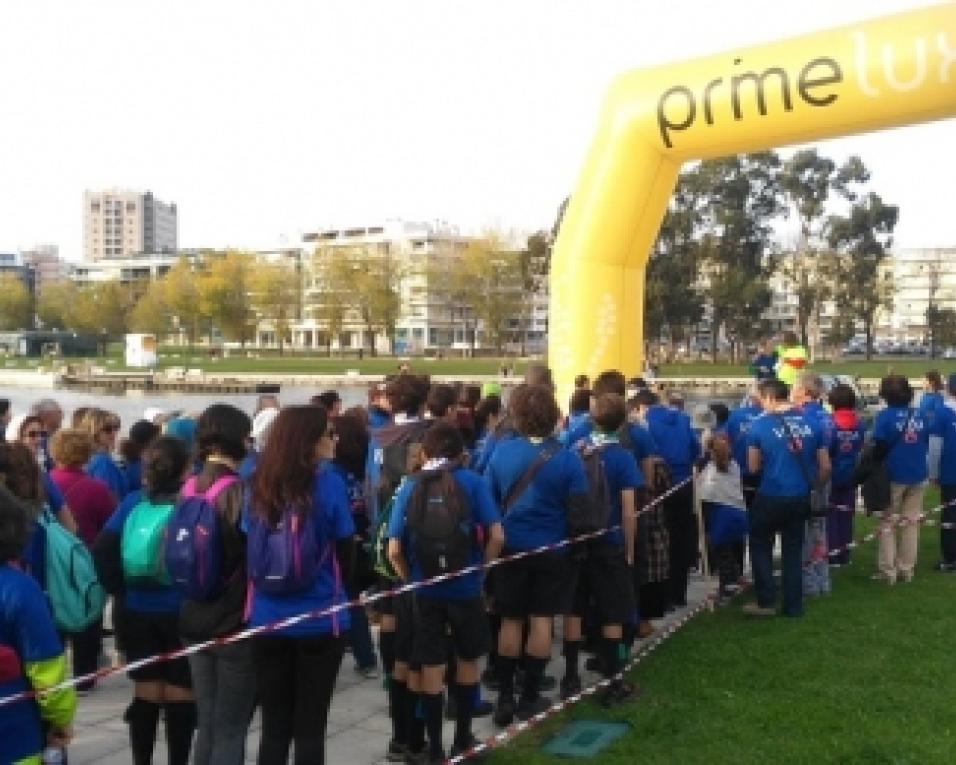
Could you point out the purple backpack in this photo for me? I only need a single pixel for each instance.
(193, 541)
(285, 558)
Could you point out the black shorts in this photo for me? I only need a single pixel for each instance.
(403, 608)
(463, 621)
(384, 606)
(606, 582)
(143, 634)
(539, 585)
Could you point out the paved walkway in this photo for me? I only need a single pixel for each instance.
(358, 726)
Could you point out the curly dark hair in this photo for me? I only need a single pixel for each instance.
(351, 449)
(610, 381)
(842, 397)
(534, 410)
(406, 394)
(609, 412)
(580, 401)
(22, 476)
(443, 440)
(896, 390)
(224, 429)
(164, 464)
(441, 398)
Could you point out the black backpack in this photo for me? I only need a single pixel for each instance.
(440, 524)
(399, 459)
(598, 508)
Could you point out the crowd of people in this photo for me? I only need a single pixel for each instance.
(198, 527)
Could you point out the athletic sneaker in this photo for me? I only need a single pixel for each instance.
(618, 692)
(369, 673)
(504, 711)
(489, 679)
(527, 709)
(754, 609)
(570, 686)
(944, 567)
(478, 757)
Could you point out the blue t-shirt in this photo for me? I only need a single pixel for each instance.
(26, 630)
(737, 427)
(484, 446)
(622, 473)
(677, 444)
(54, 497)
(247, 467)
(333, 521)
(846, 443)
(781, 475)
(161, 600)
(945, 426)
(539, 516)
(484, 513)
(642, 443)
(102, 466)
(907, 433)
(133, 473)
(815, 410)
(929, 404)
(576, 421)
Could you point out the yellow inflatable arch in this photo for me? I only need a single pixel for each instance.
(891, 71)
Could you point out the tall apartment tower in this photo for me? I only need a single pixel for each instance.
(122, 224)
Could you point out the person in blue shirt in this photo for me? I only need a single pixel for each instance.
(141, 434)
(764, 363)
(679, 446)
(488, 414)
(778, 442)
(454, 606)
(805, 394)
(579, 415)
(846, 443)
(606, 576)
(901, 434)
(930, 402)
(946, 429)
(736, 429)
(296, 666)
(104, 426)
(379, 410)
(149, 621)
(31, 654)
(633, 436)
(537, 588)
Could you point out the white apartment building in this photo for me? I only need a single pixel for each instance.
(122, 224)
(921, 277)
(426, 321)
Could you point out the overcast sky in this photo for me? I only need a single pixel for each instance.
(262, 120)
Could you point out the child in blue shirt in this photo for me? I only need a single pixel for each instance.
(31, 654)
(606, 575)
(846, 443)
(453, 606)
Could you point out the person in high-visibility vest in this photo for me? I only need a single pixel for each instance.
(792, 359)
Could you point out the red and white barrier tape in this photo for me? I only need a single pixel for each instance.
(519, 727)
(325, 612)
(887, 528)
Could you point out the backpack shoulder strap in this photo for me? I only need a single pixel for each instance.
(189, 488)
(527, 478)
(219, 486)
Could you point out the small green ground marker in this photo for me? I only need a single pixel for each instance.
(584, 738)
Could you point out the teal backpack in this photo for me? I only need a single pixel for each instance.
(75, 594)
(143, 544)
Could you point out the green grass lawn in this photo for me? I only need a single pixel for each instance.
(866, 676)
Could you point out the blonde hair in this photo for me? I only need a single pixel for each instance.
(95, 420)
(71, 447)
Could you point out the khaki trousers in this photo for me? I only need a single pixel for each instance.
(899, 537)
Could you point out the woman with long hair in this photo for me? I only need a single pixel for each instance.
(296, 667)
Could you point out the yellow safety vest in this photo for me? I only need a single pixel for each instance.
(792, 363)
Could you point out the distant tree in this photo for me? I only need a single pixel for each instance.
(151, 312)
(941, 323)
(180, 288)
(275, 295)
(54, 304)
(16, 304)
(224, 294)
(331, 276)
(861, 240)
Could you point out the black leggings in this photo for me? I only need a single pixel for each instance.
(296, 677)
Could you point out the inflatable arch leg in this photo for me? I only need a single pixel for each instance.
(883, 73)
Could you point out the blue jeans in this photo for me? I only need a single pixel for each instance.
(360, 636)
(786, 516)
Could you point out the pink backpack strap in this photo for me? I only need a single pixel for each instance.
(189, 488)
(219, 486)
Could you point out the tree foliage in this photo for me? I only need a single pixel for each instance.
(224, 294)
(16, 304)
(275, 297)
